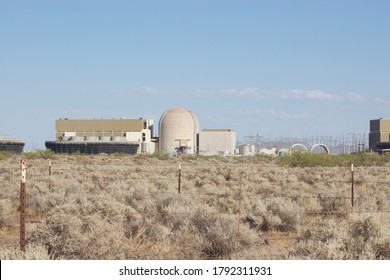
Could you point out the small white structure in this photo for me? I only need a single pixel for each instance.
(148, 147)
(134, 136)
(220, 142)
(269, 152)
(282, 152)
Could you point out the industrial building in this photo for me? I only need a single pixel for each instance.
(178, 131)
(129, 136)
(10, 144)
(139, 130)
(379, 137)
(178, 134)
(217, 142)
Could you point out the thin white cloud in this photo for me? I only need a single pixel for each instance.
(314, 95)
(229, 91)
(272, 113)
(143, 90)
(381, 101)
(290, 94)
(251, 92)
(224, 92)
(317, 95)
(298, 94)
(351, 96)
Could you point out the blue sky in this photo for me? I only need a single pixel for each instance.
(277, 68)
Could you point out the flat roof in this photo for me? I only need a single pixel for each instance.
(9, 139)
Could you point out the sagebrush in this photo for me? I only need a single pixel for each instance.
(123, 207)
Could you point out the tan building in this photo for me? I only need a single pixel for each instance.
(135, 130)
(217, 142)
(379, 132)
(129, 136)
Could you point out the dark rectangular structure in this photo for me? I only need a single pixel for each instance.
(92, 148)
(12, 146)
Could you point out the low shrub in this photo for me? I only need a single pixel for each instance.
(5, 155)
(326, 160)
(356, 237)
(33, 252)
(105, 207)
(39, 154)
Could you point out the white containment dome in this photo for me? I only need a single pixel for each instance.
(178, 129)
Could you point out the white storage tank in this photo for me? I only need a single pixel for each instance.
(246, 150)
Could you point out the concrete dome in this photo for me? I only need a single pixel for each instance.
(178, 127)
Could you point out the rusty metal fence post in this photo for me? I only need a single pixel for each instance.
(179, 179)
(352, 186)
(23, 178)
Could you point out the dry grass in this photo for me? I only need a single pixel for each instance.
(119, 207)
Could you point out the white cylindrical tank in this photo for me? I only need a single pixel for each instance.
(246, 150)
(178, 127)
